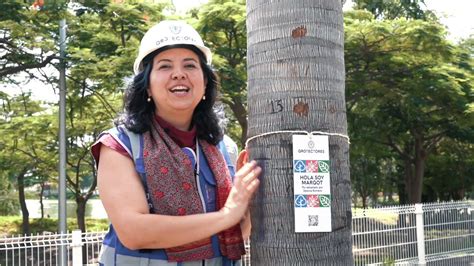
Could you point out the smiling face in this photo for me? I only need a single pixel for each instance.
(177, 83)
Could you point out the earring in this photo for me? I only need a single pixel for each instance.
(148, 99)
(204, 97)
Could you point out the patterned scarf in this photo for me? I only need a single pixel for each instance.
(174, 191)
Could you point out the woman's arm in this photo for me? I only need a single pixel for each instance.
(123, 197)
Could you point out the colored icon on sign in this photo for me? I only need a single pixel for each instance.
(325, 200)
(300, 166)
(300, 201)
(323, 166)
(313, 200)
(311, 166)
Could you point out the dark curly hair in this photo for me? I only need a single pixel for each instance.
(138, 114)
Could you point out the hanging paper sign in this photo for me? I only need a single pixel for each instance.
(312, 186)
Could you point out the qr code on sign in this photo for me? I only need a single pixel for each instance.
(313, 220)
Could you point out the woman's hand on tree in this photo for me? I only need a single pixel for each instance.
(245, 184)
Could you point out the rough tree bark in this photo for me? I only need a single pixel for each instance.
(296, 82)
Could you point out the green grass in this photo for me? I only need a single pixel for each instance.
(380, 215)
(11, 225)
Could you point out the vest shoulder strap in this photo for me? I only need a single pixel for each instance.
(230, 165)
(134, 142)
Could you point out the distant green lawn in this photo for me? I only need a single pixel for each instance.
(381, 215)
(11, 225)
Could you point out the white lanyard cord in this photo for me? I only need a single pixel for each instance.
(196, 169)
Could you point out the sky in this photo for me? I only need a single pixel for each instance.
(455, 14)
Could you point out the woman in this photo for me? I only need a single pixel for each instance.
(162, 178)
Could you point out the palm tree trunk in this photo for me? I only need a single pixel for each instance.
(296, 82)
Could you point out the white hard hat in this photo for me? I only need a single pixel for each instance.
(169, 32)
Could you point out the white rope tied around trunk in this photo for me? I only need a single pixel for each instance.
(298, 132)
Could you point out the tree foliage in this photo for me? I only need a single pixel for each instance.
(101, 49)
(449, 174)
(392, 9)
(27, 38)
(28, 145)
(405, 90)
(102, 42)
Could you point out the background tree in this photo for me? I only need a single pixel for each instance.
(27, 144)
(27, 38)
(402, 80)
(449, 174)
(8, 200)
(366, 174)
(391, 9)
(99, 61)
(296, 82)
